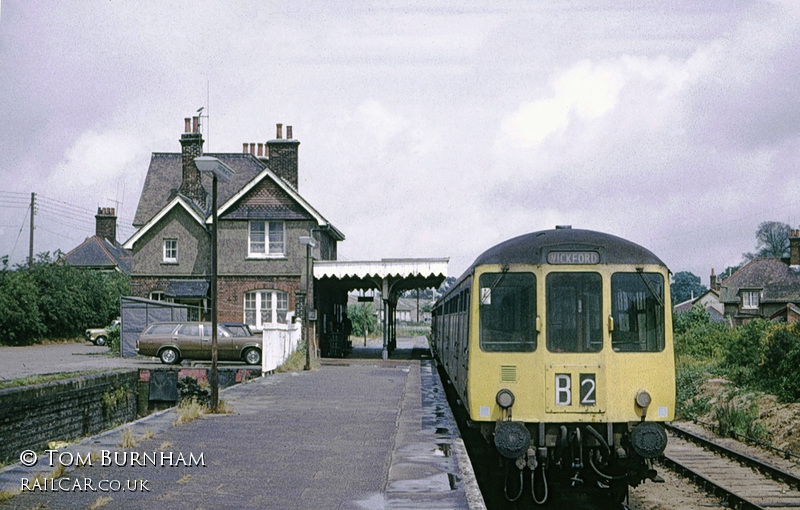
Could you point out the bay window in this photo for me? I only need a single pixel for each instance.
(263, 307)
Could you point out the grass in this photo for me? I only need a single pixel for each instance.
(296, 362)
(190, 410)
(100, 502)
(130, 441)
(7, 495)
(737, 417)
(36, 379)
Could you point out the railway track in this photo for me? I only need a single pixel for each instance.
(742, 481)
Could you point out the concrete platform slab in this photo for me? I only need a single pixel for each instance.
(349, 435)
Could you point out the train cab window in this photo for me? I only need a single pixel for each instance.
(574, 312)
(637, 307)
(508, 312)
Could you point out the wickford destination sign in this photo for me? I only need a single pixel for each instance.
(573, 257)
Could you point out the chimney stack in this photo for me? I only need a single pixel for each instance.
(794, 248)
(282, 156)
(713, 280)
(192, 147)
(106, 224)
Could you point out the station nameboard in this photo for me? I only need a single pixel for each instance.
(573, 257)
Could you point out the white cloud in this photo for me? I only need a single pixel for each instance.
(95, 159)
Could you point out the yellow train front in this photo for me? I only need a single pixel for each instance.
(559, 344)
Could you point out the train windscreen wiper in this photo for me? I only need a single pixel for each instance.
(640, 272)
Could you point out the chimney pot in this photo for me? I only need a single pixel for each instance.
(191, 147)
(260, 149)
(187, 123)
(279, 134)
(106, 224)
(244, 147)
(288, 132)
(195, 122)
(253, 149)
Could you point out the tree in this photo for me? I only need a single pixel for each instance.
(684, 286)
(54, 300)
(363, 318)
(772, 240)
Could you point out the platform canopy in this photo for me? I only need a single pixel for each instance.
(399, 274)
(389, 276)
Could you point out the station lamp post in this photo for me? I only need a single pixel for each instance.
(309, 243)
(218, 170)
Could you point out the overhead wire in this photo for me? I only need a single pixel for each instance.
(14, 249)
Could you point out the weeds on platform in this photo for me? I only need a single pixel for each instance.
(100, 502)
(295, 362)
(190, 410)
(130, 441)
(7, 495)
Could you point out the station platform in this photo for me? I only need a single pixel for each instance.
(350, 434)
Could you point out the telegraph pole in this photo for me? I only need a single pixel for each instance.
(30, 244)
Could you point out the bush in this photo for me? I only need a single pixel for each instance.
(745, 352)
(115, 339)
(697, 336)
(54, 300)
(191, 391)
(689, 376)
(780, 368)
(737, 421)
(362, 317)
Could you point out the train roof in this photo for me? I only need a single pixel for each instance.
(534, 248)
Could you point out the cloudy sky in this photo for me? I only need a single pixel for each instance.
(427, 129)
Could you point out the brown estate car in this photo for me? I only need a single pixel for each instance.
(173, 341)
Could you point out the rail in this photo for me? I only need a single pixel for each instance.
(734, 500)
(749, 440)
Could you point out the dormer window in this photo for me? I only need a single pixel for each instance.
(750, 299)
(266, 239)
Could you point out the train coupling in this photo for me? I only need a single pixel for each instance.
(532, 462)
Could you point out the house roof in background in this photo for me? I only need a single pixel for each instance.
(97, 252)
(179, 200)
(166, 172)
(777, 281)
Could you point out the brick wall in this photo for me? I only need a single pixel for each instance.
(63, 410)
(232, 289)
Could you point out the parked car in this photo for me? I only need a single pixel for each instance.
(99, 336)
(174, 341)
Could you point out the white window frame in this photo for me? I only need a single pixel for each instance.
(751, 299)
(271, 240)
(265, 307)
(168, 256)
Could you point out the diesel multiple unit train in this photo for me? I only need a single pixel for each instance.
(559, 345)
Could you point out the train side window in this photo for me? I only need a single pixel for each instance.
(637, 306)
(574, 312)
(508, 312)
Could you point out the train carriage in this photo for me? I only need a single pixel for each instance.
(559, 345)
